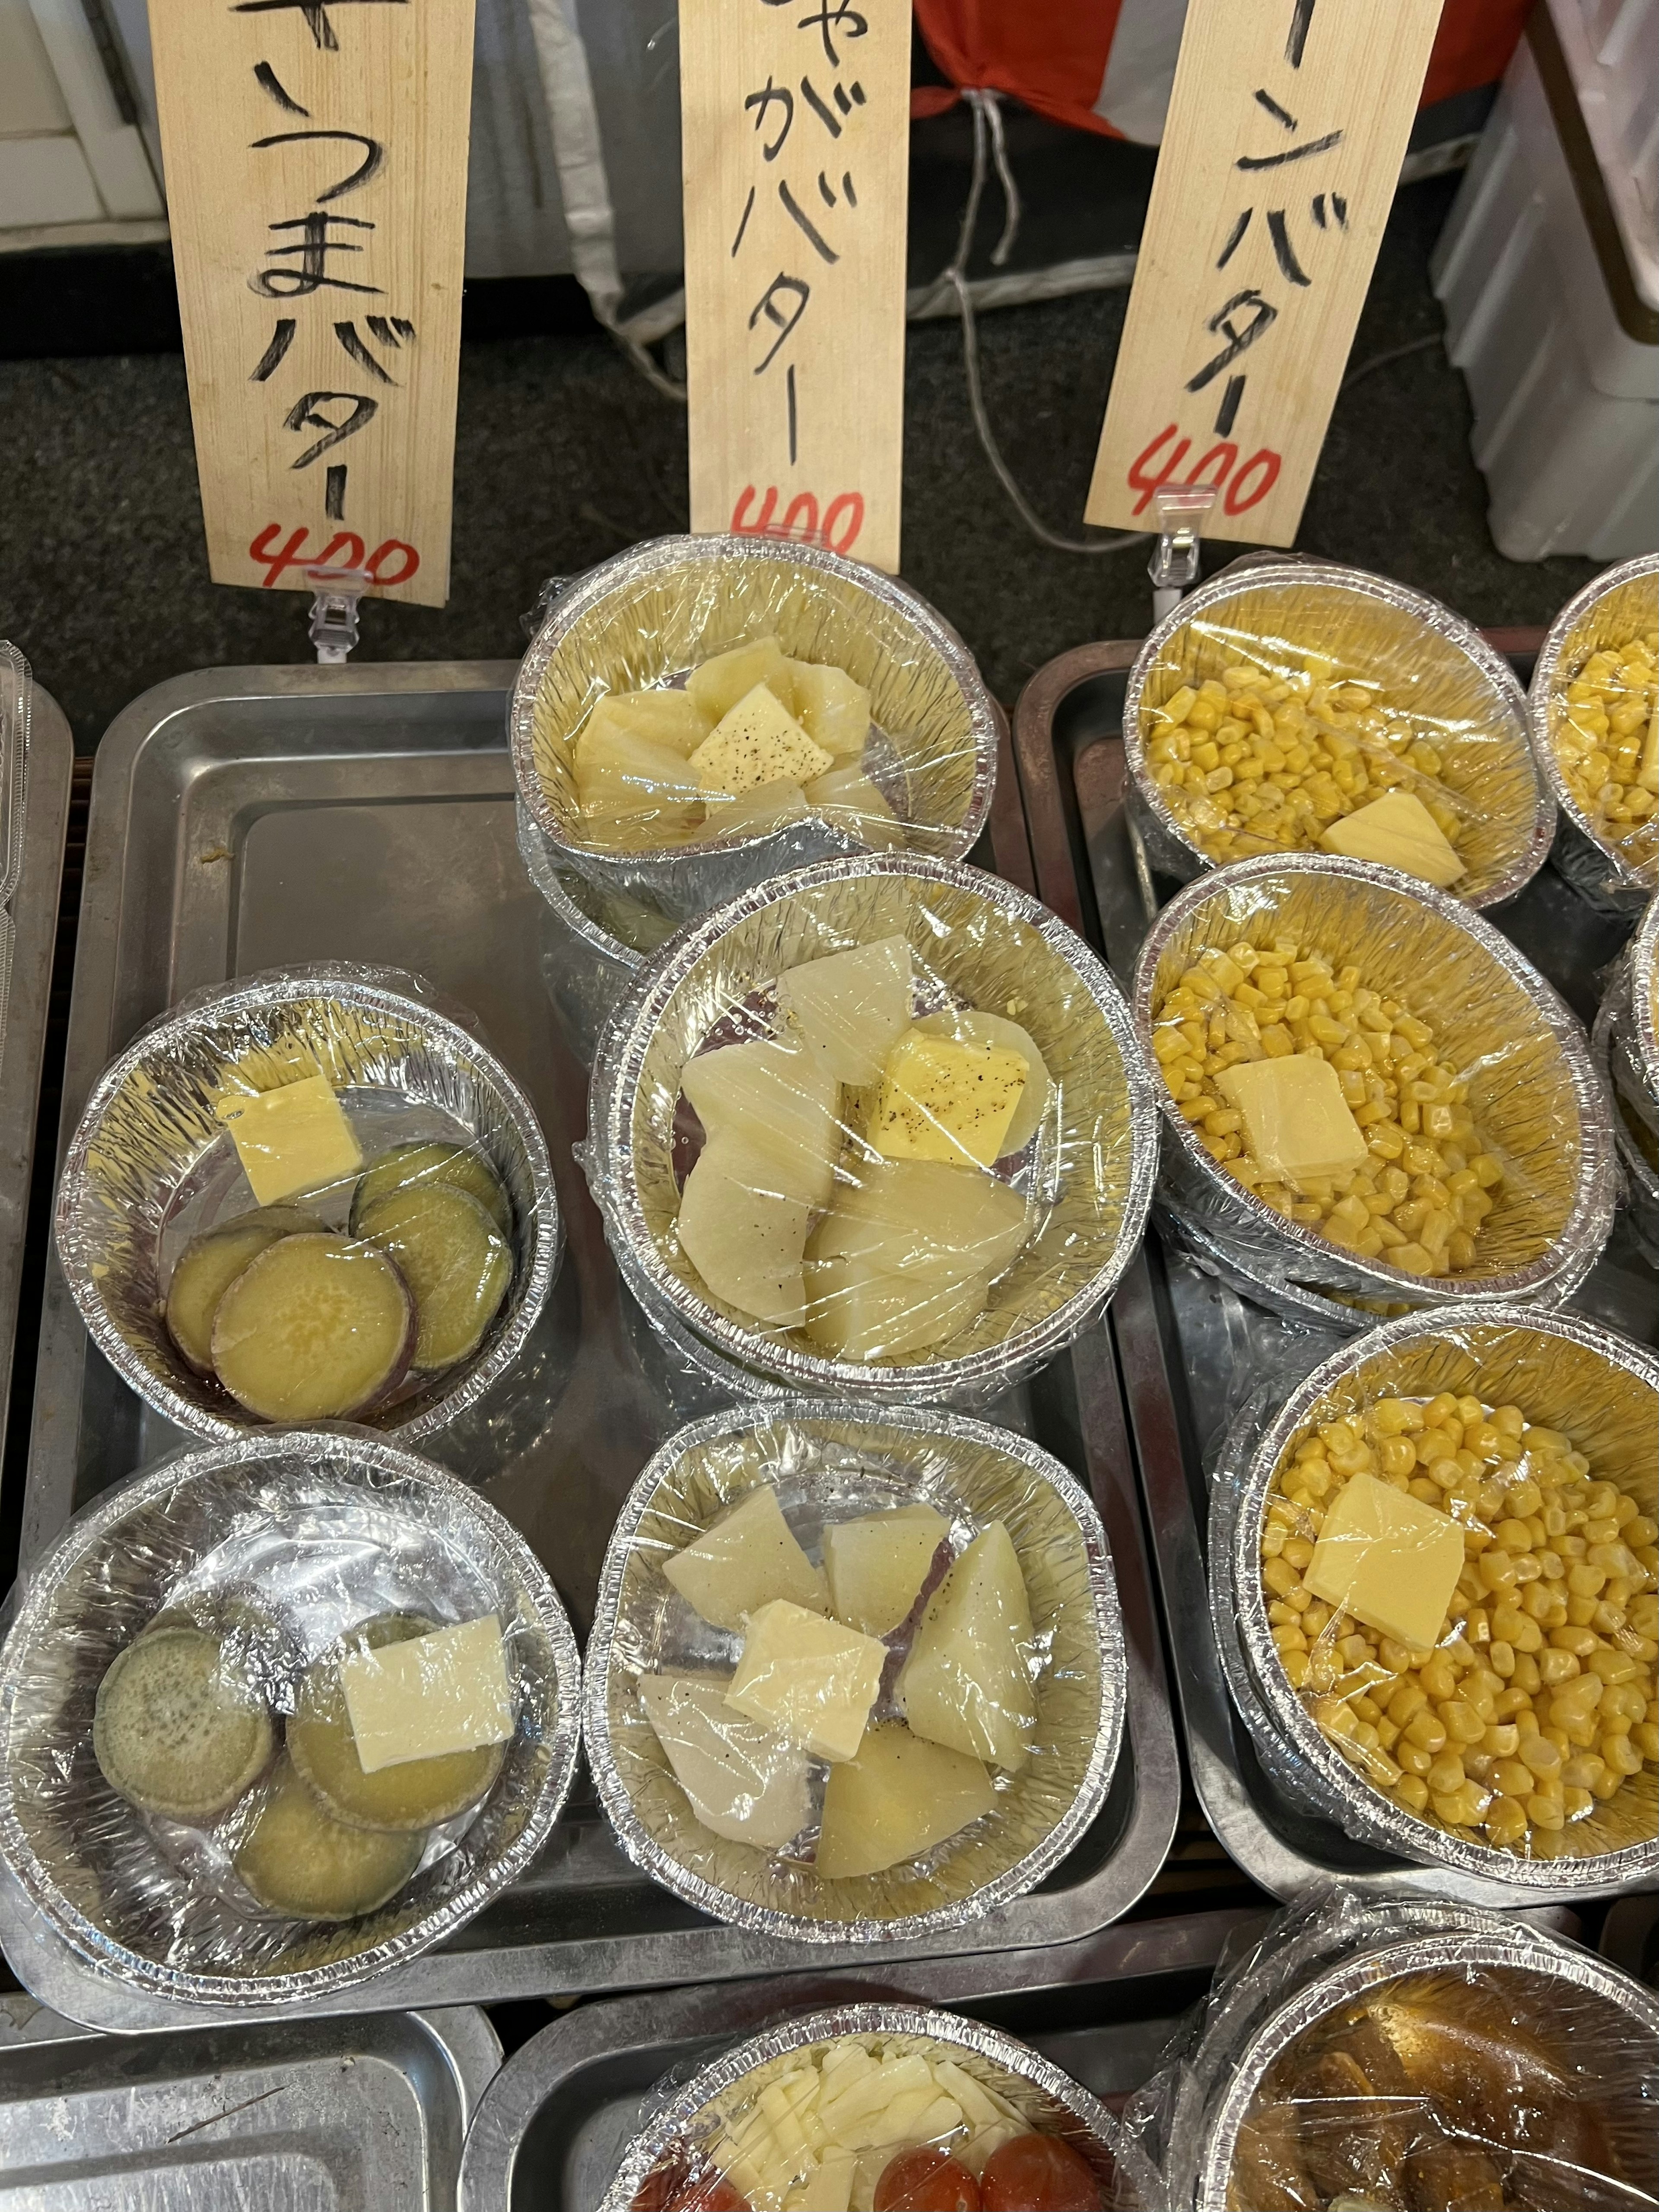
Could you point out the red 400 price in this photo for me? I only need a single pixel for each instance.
(837, 527)
(391, 562)
(1240, 483)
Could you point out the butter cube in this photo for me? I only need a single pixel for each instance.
(291, 1140)
(715, 687)
(812, 1679)
(1297, 1122)
(947, 1099)
(443, 1692)
(832, 710)
(742, 1780)
(759, 741)
(1389, 1560)
(743, 1561)
(1400, 831)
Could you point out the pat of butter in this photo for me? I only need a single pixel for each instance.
(291, 1140)
(947, 1099)
(1389, 1560)
(812, 1679)
(1297, 1122)
(443, 1692)
(742, 1780)
(759, 741)
(1400, 831)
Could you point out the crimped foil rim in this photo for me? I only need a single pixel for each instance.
(323, 980)
(1333, 575)
(1639, 1171)
(1526, 1950)
(627, 1039)
(1540, 721)
(660, 553)
(561, 1730)
(951, 2029)
(1643, 974)
(1016, 1881)
(1364, 1811)
(546, 879)
(1306, 1254)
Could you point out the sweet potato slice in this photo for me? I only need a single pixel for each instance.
(317, 1328)
(296, 1859)
(455, 1262)
(208, 1266)
(177, 1728)
(409, 1166)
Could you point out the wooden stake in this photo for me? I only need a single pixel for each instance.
(316, 174)
(795, 126)
(1287, 126)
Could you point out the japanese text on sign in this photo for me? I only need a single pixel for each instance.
(316, 161)
(795, 128)
(1287, 125)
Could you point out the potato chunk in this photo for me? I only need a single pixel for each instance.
(776, 1104)
(715, 687)
(744, 1560)
(665, 717)
(831, 707)
(856, 1312)
(876, 1565)
(768, 806)
(742, 1780)
(849, 800)
(925, 1218)
(965, 1683)
(317, 1328)
(746, 1244)
(851, 1007)
(897, 1798)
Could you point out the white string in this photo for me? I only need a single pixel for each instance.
(984, 104)
(1011, 199)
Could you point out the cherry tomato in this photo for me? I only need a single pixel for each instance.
(1038, 2174)
(924, 2180)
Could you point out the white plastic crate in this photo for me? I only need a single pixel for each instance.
(1550, 315)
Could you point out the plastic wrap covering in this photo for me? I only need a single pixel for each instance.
(853, 1675)
(1331, 688)
(929, 1166)
(1595, 731)
(16, 691)
(1408, 996)
(593, 942)
(183, 1792)
(1625, 1045)
(380, 1246)
(690, 799)
(1358, 2056)
(1514, 1742)
(864, 2087)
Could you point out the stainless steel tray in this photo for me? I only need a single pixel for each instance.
(353, 2116)
(1187, 1347)
(241, 817)
(555, 2118)
(33, 911)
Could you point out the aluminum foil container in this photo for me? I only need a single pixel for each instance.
(150, 1165)
(1050, 2101)
(584, 965)
(1432, 664)
(691, 1376)
(975, 940)
(312, 1530)
(833, 1462)
(1633, 1043)
(1563, 1372)
(1636, 1140)
(1595, 2025)
(1533, 1083)
(1609, 611)
(661, 608)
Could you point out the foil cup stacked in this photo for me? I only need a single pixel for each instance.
(662, 607)
(1626, 1044)
(149, 1128)
(1534, 1087)
(1608, 611)
(1598, 2026)
(831, 1463)
(312, 1518)
(1430, 662)
(586, 965)
(1565, 1373)
(1095, 1159)
(1048, 2100)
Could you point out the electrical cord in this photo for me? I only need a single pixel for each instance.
(1383, 359)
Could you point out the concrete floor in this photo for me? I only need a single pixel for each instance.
(565, 455)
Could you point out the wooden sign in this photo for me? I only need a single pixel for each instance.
(1287, 126)
(795, 124)
(316, 156)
